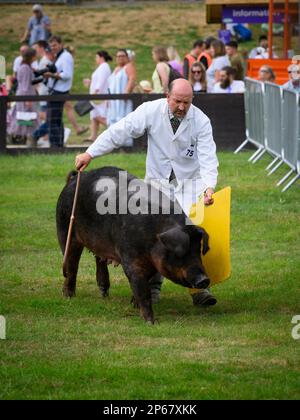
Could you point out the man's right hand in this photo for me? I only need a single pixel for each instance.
(82, 161)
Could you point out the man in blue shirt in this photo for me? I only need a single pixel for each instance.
(38, 27)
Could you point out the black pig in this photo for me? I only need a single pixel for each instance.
(144, 244)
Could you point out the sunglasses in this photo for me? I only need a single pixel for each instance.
(196, 71)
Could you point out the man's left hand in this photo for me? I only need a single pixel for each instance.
(208, 199)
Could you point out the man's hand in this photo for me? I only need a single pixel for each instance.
(208, 200)
(47, 75)
(82, 161)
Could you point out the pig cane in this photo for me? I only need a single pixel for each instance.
(71, 226)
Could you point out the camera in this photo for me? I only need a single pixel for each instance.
(38, 74)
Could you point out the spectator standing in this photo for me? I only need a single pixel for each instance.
(174, 59)
(294, 76)
(122, 80)
(227, 84)
(220, 60)
(18, 60)
(161, 74)
(59, 83)
(198, 77)
(25, 116)
(69, 109)
(235, 59)
(205, 57)
(98, 84)
(266, 74)
(190, 58)
(38, 27)
(43, 51)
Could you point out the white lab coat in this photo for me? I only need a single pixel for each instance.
(190, 152)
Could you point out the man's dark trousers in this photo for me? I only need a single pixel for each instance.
(55, 121)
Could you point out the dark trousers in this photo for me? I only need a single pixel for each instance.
(41, 131)
(55, 121)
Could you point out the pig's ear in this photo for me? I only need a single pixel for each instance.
(176, 241)
(200, 234)
(204, 240)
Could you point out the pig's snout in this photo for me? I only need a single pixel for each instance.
(201, 282)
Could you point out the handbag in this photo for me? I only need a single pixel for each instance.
(26, 118)
(83, 107)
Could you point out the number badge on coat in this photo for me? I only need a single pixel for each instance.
(189, 152)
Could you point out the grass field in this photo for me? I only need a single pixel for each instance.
(101, 349)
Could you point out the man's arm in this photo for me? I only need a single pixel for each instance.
(27, 31)
(47, 24)
(208, 161)
(67, 68)
(133, 125)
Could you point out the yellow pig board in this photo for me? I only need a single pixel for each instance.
(215, 219)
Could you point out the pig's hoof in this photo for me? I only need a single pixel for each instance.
(134, 302)
(104, 293)
(68, 293)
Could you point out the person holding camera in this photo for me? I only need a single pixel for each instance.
(60, 80)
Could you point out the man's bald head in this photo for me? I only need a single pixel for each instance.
(180, 97)
(181, 87)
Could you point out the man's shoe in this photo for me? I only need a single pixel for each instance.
(203, 298)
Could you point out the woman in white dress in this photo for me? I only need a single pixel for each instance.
(99, 85)
(220, 60)
(122, 80)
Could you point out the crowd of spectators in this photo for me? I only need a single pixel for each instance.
(211, 66)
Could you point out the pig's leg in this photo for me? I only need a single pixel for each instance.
(142, 295)
(75, 252)
(102, 277)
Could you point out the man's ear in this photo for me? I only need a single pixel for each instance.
(176, 241)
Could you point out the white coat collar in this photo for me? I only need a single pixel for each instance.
(183, 124)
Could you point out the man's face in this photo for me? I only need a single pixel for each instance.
(39, 51)
(294, 72)
(230, 50)
(55, 47)
(264, 43)
(224, 79)
(37, 14)
(198, 50)
(179, 104)
(23, 49)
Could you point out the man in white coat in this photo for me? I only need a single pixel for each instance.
(181, 155)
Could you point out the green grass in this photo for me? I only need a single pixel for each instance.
(101, 349)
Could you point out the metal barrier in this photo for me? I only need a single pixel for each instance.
(290, 135)
(272, 122)
(273, 107)
(254, 111)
